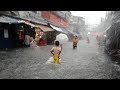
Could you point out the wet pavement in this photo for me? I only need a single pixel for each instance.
(88, 61)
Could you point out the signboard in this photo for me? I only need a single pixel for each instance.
(6, 33)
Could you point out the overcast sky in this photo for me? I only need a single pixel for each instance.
(91, 17)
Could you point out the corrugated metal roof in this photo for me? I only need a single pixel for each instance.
(10, 20)
(10, 13)
(36, 21)
(35, 18)
(27, 23)
(6, 19)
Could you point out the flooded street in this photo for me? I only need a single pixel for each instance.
(86, 62)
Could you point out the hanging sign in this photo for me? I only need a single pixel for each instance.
(6, 33)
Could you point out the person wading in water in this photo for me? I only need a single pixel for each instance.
(75, 42)
(56, 51)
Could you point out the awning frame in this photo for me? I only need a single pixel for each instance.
(45, 28)
(56, 28)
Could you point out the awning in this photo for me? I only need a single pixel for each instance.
(6, 19)
(10, 20)
(65, 31)
(74, 33)
(56, 28)
(27, 23)
(45, 28)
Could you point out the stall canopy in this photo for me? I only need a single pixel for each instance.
(62, 30)
(65, 31)
(56, 28)
(6, 19)
(27, 23)
(74, 33)
(45, 28)
(12, 20)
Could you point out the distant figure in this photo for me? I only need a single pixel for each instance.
(56, 51)
(98, 39)
(88, 41)
(33, 43)
(75, 42)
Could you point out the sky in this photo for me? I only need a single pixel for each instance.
(91, 17)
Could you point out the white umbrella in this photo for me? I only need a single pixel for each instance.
(62, 38)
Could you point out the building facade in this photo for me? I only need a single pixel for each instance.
(33, 16)
(57, 18)
(77, 25)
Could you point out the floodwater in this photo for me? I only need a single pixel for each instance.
(88, 61)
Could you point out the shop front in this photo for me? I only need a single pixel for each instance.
(46, 35)
(11, 35)
(12, 32)
(8, 32)
(5, 38)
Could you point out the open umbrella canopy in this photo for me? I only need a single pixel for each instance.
(62, 38)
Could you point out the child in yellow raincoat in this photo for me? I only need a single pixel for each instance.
(56, 52)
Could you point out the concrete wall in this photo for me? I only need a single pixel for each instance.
(65, 15)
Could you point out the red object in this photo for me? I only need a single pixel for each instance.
(42, 43)
(56, 20)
